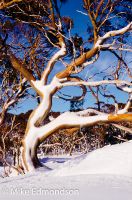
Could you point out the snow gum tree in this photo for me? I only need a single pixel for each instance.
(52, 43)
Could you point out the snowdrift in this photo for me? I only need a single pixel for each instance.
(104, 174)
(116, 159)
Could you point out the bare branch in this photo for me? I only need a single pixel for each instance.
(129, 130)
(4, 5)
(18, 65)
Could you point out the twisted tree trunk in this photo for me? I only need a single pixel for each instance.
(36, 135)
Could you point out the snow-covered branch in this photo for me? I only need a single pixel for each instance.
(98, 83)
(48, 90)
(93, 52)
(65, 120)
(113, 33)
(53, 60)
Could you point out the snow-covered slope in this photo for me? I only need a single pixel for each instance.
(104, 174)
(116, 159)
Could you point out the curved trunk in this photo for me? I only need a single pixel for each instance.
(30, 160)
(37, 135)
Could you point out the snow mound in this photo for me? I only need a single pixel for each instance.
(116, 159)
(102, 174)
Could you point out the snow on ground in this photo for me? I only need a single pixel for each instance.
(104, 174)
(116, 159)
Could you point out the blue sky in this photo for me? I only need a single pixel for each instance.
(105, 60)
(80, 21)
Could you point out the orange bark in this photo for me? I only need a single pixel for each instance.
(120, 117)
(79, 61)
